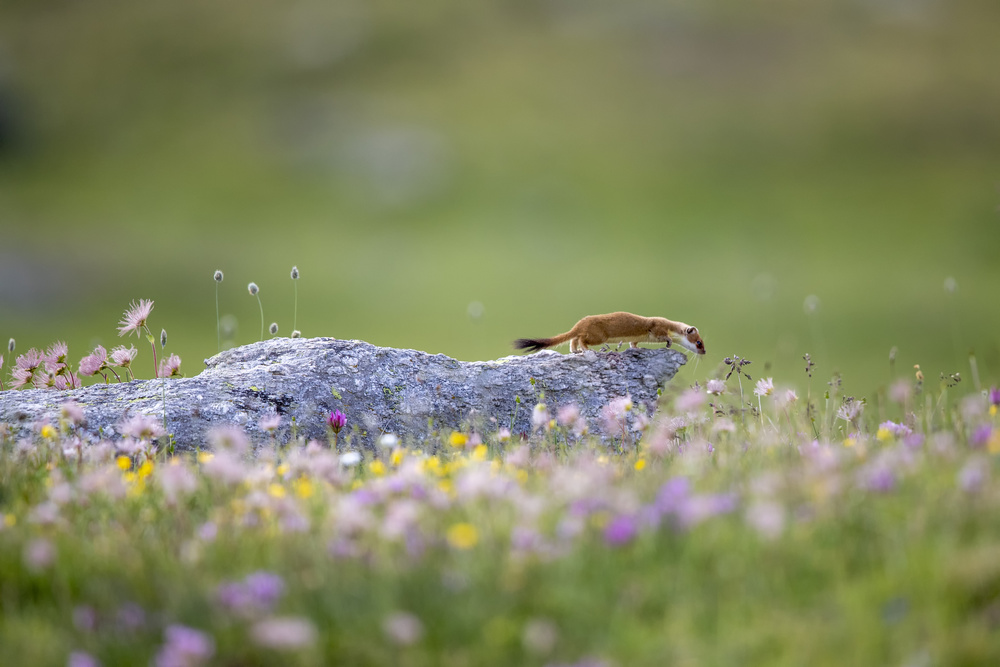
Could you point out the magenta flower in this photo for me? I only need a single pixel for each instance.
(336, 421)
(994, 396)
(25, 367)
(135, 317)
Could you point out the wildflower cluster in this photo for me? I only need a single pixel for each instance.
(507, 551)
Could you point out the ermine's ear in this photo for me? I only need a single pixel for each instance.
(691, 330)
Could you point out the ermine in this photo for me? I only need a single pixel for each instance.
(619, 328)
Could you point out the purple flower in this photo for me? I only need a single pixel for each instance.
(185, 647)
(135, 317)
(981, 435)
(81, 659)
(701, 508)
(879, 478)
(254, 596)
(672, 495)
(994, 396)
(94, 362)
(336, 421)
(620, 530)
(972, 475)
(896, 430)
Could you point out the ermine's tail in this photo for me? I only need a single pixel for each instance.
(536, 344)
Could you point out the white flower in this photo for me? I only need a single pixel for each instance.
(349, 459)
(716, 387)
(388, 441)
(765, 387)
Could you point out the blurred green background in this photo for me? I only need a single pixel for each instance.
(449, 176)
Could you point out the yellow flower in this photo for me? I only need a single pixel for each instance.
(123, 463)
(463, 536)
(993, 411)
(993, 446)
(433, 464)
(205, 457)
(356, 484)
(397, 456)
(522, 476)
(283, 469)
(145, 470)
(303, 487)
(640, 464)
(883, 434)
(479, 453)
(377, 468)
(457, 439)
(48, 431)
(445, 485)
(9, 520)
(276, 491)
(850, 442)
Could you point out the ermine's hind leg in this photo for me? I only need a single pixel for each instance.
(633, 345)
(574, 344)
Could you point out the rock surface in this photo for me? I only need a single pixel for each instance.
(406, 392)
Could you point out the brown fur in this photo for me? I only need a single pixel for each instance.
(619, 328)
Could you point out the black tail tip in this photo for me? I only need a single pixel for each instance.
(529, 344)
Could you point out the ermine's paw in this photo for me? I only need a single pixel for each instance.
(605, 348)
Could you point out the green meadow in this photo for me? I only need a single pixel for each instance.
(716, 164)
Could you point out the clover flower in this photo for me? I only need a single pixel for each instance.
(336, 421)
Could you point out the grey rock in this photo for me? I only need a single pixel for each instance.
(380, 390)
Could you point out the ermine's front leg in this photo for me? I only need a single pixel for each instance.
(605, 348)
(633, 345)
(620, 343)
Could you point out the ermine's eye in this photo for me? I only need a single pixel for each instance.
(699, 344)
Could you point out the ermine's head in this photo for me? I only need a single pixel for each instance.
(691, 340)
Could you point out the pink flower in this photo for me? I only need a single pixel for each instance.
(286, 633)
(122, 356)
(135, 317)
(141, 427)
(690, 401)
(271, 422)
(170, 367)
(229, 438)
(716, 387)
(94, 362)
(403, 628)
(185, 647)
